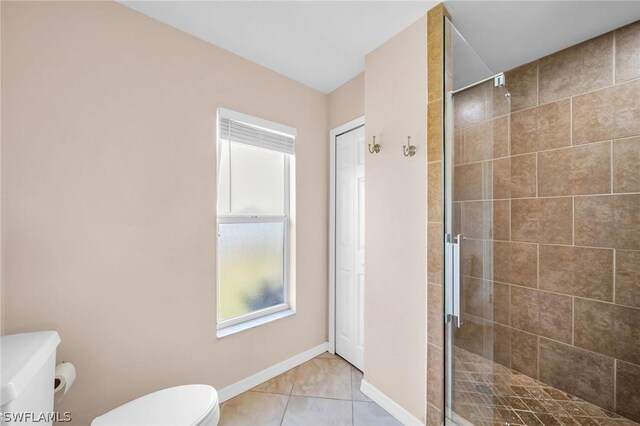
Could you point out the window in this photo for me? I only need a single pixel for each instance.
(255, 159)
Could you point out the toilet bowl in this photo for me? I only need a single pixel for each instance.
(189, 405)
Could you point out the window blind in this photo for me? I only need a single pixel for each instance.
(239, 132)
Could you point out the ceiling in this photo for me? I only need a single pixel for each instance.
(319, 43)
(323, 43)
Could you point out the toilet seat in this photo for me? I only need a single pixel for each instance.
(181, 405)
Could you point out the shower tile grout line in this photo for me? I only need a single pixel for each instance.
(552, 340)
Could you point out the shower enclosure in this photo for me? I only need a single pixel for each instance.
(542, 318)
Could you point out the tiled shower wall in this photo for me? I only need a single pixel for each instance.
(435, 326)
(548, 198)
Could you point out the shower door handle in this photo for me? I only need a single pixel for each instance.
(452, 278)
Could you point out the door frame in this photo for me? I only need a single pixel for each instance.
(333, 134)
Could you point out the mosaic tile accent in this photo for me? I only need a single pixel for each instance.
(486, 393)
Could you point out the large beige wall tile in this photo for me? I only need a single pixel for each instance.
(628, 390)
(610, 113)
(457, 146)
(500, 300)
(608, 221)
(540, 128)
(501, 226)
(578, 69)
(524, 353)
(435, 253)
(486, 140)
(626, 165)
(435, 52)
(457, 217)
(522, 83)
(514, 177)
(501, 343)
(468, 182)
(496, 103)
(486, 219)
(628, 278)
(470, 335)
(435, 368)
(627, 40)
(435, 313)
(434, 131)
(434, 418)
(608, 329)
(582, 373)
(515, 263)
(502, 261)
(541, 313)
(476, 297)
(477, 219)
(468, 107)
(542, 220)
(577, 271)
(575, 170)
(434, 191)
(473, 256)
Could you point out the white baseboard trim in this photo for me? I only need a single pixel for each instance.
(254, 380)
(392, 407)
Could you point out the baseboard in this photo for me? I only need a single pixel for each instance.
(392, 407)
(254, 380)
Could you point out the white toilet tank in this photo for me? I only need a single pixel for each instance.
(27, 364)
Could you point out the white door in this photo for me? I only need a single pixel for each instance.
(350, 246)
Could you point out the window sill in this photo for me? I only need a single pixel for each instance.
(233, 329)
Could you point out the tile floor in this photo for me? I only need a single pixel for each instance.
(323, 391)
(486, 393)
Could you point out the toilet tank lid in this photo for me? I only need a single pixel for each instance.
(21, 356)
(180, 405)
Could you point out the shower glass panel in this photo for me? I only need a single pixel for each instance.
(476, 222)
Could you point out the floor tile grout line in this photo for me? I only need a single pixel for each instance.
(284, 413)
(352, 414)
(351, 393)
(321, 397)
(293, 383)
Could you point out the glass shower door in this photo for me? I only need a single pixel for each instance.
(476, 139)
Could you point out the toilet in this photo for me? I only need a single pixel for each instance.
(28, 370)
(189, 405)
(27, 374)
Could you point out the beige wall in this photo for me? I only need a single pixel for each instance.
(108, 199)
(395, 226)
(346, 102)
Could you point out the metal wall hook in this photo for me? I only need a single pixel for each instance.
(375, 148)
(409, 150)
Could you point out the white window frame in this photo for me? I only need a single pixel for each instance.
(285, 219)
